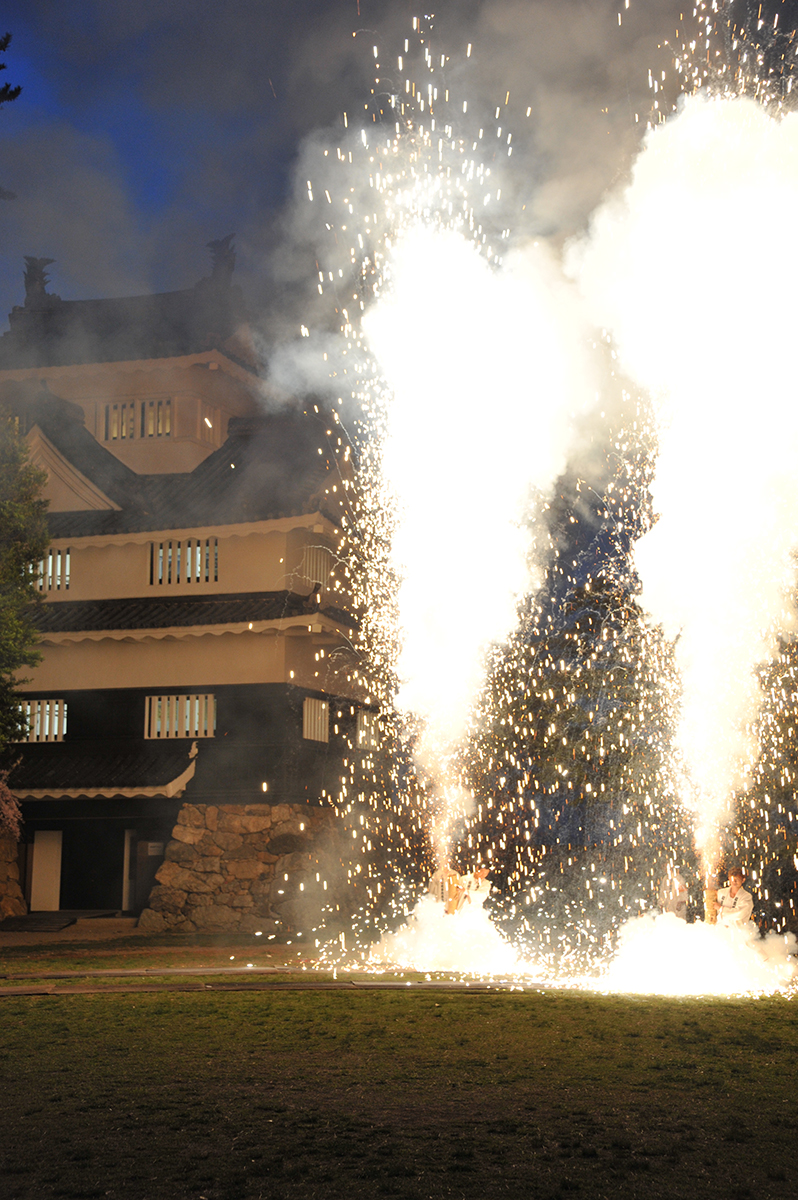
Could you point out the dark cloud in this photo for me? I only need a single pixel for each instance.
(167, 122)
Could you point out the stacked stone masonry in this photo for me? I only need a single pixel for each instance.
(240, 868)
(12, 901)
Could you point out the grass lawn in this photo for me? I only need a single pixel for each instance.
(123, 963)
(407, 1093)
(130, 953)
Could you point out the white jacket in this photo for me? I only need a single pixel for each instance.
(734, 910)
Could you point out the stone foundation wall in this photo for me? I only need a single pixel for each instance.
(225, 869)
(12, 901)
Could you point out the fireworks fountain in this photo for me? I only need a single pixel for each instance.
(475, 362)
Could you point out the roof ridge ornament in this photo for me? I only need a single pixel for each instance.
(36, 280)
(223, 258)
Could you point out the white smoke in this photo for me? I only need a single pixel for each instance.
(661, 955)
(466, 942)
(656, 955)
(692, 270)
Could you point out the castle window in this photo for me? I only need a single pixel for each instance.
(316, 720)
(180, 716)
(52, 572)
(120, 421)
(195, 560)
(46, 720)
(368, 733)
(156, 418)
(316, 562)
(210, 425)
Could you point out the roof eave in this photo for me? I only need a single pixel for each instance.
(167, 791)
(222, 360)
(316, 522)
(315, 623)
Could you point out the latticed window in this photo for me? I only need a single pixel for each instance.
(134, 418)
(120, 421)
(316, 720)
(210, 424)
(368, 730)
(52, 571)
(195, 560)
(316, 564)
(46, 720)
(181, 716)
(156, 418)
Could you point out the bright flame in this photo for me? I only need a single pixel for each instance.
(691, 269)
(487, 374)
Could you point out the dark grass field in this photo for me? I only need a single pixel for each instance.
(195, 950)
(411, 1093)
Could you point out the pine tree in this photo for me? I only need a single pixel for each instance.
(570, 765)
(23, 541)
(764, 837)
(7, 93)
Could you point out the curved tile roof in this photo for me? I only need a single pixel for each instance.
(164, 612)
(67, 766)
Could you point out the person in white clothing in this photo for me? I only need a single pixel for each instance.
(673, 894)
(479, 885)
(453, 890)
(448, 888)
(439, 882)
(735, 904)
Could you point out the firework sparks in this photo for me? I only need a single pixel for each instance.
(529, 716)
(468, 350)
(727, 434)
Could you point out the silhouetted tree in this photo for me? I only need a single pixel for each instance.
(576, 809)
(7, 93)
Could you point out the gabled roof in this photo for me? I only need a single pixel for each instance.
(270, 466)
(67, 489)
(62, 424)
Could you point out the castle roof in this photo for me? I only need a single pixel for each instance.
(273, 465)
(47, 331)
(105, 767)
(171, 612)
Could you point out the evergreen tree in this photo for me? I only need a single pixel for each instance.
(23, 541)
(7, 93)
(764, 837)
(569, 762)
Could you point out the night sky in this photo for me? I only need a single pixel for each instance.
(146, 128)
